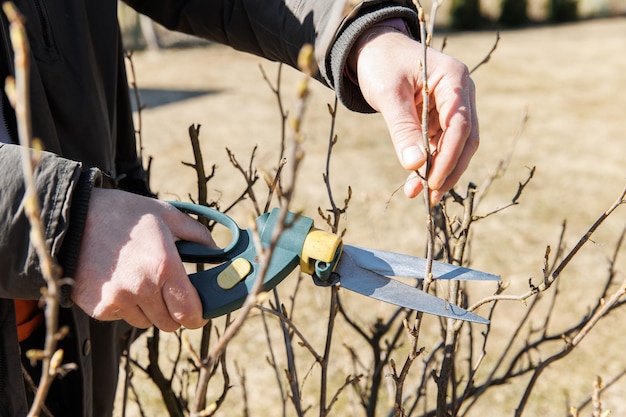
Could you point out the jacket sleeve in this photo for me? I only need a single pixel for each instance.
(63, 188)
(277, 29)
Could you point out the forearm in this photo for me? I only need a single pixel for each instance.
(277, 29)
(56, 181)
(273, 29)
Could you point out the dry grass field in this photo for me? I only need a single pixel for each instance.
(570, 81)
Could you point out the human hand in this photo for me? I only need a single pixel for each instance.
(387, 64)
(129, 268)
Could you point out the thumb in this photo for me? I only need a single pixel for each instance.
(184, 227)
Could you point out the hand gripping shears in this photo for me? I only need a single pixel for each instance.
(322, 255)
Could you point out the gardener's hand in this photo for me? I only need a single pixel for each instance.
(387, 65)
(128, 266)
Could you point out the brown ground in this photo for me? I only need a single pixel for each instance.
(570, 79)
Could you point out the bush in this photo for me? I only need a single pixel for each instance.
(465, 15)
(514, 13)
(563, 10)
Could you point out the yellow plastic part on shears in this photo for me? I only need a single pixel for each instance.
(319, 246)
(234, 273)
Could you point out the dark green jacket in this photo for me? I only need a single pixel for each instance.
(81, 111)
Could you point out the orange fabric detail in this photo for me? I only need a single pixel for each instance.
(28, 316)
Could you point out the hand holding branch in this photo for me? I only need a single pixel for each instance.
(387, 66)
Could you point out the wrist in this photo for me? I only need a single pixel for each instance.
(395, 25)
(68, 254)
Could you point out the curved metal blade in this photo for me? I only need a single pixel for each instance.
(371, 284)
(399, 265)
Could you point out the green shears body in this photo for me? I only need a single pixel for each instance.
(225, 287)
(219, 298)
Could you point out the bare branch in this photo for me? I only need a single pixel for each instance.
(250, 177)
(516, 196)
(570, 345)
(290, 324)
(488, 56)
(503, 164)
(279, 101)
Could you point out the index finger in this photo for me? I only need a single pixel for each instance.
(459, 122)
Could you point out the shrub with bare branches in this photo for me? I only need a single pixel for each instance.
(384, 369)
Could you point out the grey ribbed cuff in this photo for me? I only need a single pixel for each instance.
(347, 91)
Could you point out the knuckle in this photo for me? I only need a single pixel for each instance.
(169, 327)
(182, 305)
(140, 323)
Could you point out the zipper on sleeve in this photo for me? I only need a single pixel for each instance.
(43, 44)
(43, 24)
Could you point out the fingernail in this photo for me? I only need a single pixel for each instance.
(412, 157)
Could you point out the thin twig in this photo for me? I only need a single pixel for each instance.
(426, 149)
(334, 217)
(414, 330)
(279, 101)
(503, 164)
(433, 15)
(17, 90)
(234, 327)
(274, 184)
(547, 282)
(515, 370)
(140, 106)
(488, 56)
(274, 364)
(332, 314)
(250, 176)
(570, 345)
(605, 386)
(291, 325)
(515, 199)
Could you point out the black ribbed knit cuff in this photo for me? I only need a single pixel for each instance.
(68, 255)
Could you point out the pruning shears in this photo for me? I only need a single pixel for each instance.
(322, 255)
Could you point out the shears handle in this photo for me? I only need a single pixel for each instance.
(224, 288)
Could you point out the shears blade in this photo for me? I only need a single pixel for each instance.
(399, 265)
(365, 271)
